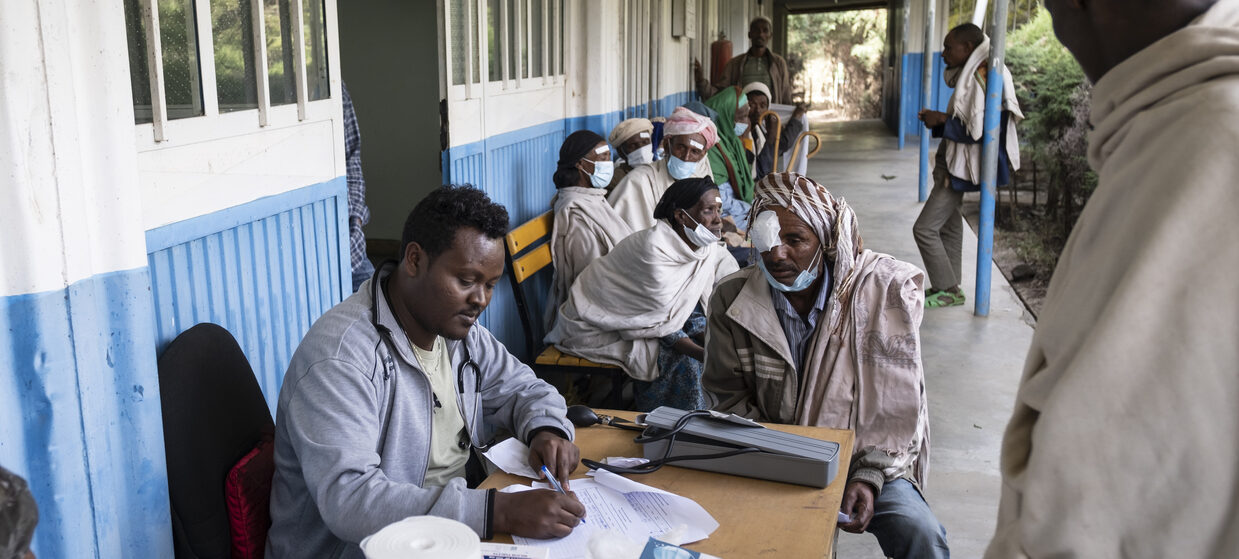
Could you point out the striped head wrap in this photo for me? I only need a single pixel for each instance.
(830, 218)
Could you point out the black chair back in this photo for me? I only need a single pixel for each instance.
(213, 414)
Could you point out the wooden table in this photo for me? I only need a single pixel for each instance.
(756, 517)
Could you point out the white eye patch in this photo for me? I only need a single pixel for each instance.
(601, 150)
(644, 134)
(695, 144)
(765, 231)
(718, 199)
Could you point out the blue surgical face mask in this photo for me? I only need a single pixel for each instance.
(803, 280)
(603, 171)
(741, 127)
(680, 169)
(643, 155)
(699, 235)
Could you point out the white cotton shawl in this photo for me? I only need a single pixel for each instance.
(644, 289)
(586, 227)
(638, 192)
(1125, 434)
(967, 103)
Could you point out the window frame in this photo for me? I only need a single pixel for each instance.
(509, 51)
(212, 124)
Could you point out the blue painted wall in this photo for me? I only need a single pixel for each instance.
(910, 91)
(264, 270)
(80, 416)
(515, 170)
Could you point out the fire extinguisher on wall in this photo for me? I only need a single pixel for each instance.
(720, 54)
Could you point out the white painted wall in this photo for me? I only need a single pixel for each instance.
(69, 175)
(916, 25)
(214, 162)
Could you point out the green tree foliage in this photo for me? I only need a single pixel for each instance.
(1054, 96)
(850, 44)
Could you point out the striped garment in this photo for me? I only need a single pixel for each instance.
(358, 213)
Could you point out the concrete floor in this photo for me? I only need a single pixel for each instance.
(972, 364)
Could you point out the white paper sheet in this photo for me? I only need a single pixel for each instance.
(636, 510)
(512, 456)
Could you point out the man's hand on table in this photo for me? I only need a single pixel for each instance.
(858, 499)
(539, 513)
(558, 454)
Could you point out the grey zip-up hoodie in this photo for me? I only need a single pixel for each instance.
(353, 428)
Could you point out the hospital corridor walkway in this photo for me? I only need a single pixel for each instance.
(972, 364)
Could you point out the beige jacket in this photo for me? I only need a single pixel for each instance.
(1125, 436)
(780, 78)
(868, 374)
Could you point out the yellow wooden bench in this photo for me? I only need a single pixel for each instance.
(528, 251)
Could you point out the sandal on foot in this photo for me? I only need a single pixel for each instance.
(943, 299)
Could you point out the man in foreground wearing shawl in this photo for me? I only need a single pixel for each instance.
(640, 306)
(586, 227)
(1123, 441)
(687, 137)
(939, 230)
(822, 332)
(633, 141)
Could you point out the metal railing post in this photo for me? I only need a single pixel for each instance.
(927, 97)
(989, 155)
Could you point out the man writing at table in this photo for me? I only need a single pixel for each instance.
(391, 390)
(821, 332)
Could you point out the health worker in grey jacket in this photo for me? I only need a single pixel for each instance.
(390, 390)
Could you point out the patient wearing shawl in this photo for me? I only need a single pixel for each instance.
(585, 225)
(823, 332)
(687, 137)
(642, 306)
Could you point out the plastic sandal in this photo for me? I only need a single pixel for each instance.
(943, 299)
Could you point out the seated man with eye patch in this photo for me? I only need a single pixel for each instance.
(822, 332)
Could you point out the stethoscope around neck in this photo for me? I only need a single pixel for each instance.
(388, 337)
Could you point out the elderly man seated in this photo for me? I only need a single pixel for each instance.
(633, 141)
(687, 137)
(821, 332)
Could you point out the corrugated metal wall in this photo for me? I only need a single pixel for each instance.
(264, 270)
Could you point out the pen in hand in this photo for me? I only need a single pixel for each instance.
(555, 483)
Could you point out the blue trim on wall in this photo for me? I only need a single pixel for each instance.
(265, 270)
(910, 92)
(80, 417)
(514, 169)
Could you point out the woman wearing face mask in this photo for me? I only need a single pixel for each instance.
(585, 226)
(729, 160)
(641, 307)
(687, 136)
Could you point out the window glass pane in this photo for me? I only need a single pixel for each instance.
(181, 75)
(233, 30)
(537, 35)
(317, 80)
(524, 36)
(493, 34)
(461, 10)
(563, 37)
(139, 71)
(514, 49)
(277, 19)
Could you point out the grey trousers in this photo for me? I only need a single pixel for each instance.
(939, 230)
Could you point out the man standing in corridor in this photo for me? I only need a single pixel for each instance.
(758, 64)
